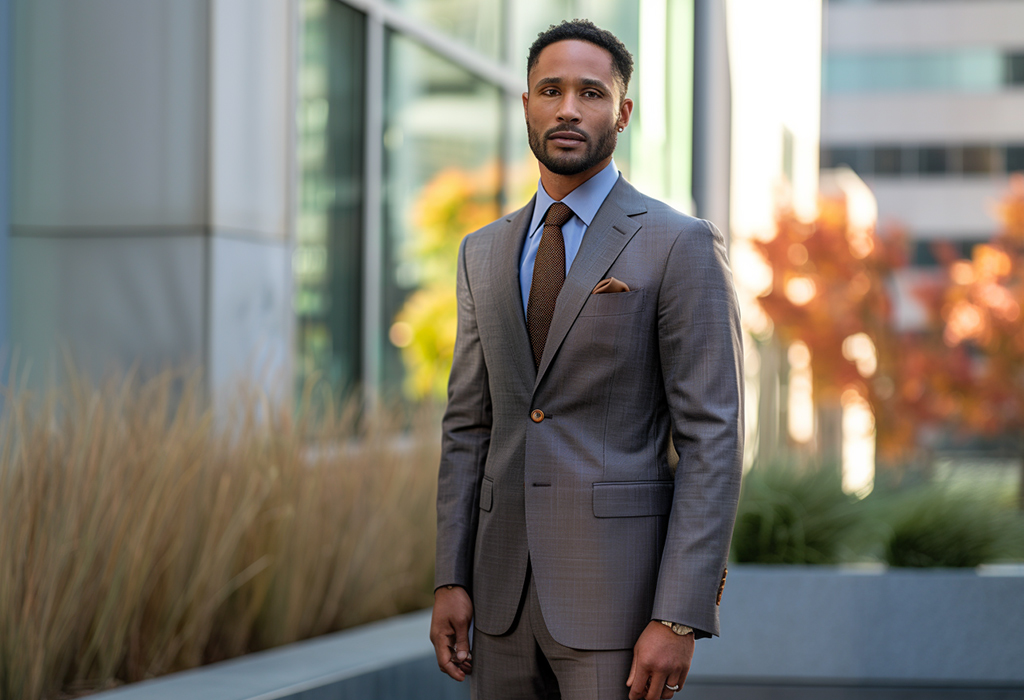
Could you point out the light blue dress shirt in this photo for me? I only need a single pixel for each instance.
(584, 201)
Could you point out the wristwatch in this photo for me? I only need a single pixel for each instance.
(681, 630)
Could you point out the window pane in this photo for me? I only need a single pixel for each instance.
(933, 160)
(964, 69)
(1014, 159)
(850, 157)
(911, 160)
(530, 18)
(327, 262)
(475, 23)
(979, 160)
(442, 179)
(1014, 69)
(888, 160)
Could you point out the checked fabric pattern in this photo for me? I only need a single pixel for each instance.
(548, 278)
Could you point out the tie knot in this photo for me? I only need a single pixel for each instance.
(558, 214)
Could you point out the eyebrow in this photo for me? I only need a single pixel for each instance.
(589, 82)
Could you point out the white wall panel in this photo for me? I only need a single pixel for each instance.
(938, 207)
(909, 26)
(250, 304)
(109, 112)
(913, 118)
(252, 112)
(113, 301)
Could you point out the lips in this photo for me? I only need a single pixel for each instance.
(566, 139)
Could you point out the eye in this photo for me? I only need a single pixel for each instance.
(593, 94)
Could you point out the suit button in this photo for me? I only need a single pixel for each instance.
(537, 415)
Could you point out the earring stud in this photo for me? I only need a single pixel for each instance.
(621, 128)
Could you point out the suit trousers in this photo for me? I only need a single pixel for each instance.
(528, 664)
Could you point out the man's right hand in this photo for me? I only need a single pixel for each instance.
(449, 631)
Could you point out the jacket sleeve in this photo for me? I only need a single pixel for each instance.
(702, 364)
(465, 438)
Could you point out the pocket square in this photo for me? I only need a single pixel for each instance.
(610, 285)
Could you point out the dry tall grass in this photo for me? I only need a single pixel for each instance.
(140, 534)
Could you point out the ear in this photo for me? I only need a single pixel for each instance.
(625, 112)
(526, 104)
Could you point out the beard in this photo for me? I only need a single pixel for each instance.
(560, 163)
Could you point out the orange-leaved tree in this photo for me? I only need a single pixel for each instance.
(962, 371)
(982, 320)
(830, 290)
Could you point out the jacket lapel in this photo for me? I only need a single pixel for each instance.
(505, 275)
(609, 232)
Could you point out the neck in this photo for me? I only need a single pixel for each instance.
(559, 186)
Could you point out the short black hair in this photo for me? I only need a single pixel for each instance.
(585, 30)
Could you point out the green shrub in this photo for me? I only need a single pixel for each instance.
(790, 515)
(936, 526)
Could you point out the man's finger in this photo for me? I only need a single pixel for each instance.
(447, 664)
(632, 672)
(676, 681)
(641, 677)
(441, 635)
(656, 687)
(460, 651)
(454, 671)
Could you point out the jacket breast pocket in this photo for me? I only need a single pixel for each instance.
(614, 303)
(632, 499)
(487, 493)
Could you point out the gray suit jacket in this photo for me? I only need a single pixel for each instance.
(587, 494)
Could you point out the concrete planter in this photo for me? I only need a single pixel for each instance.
(824, 626)
(790, 632)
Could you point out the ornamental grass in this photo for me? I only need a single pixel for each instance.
(144, 533)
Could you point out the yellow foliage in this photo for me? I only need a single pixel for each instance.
(454, 203)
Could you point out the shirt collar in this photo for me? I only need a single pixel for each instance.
(584, 201)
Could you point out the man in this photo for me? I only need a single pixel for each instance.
(595, 324)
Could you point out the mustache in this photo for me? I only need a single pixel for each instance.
(573, 129)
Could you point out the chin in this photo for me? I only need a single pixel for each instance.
(567, 166)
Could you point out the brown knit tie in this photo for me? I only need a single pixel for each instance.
(548, 278)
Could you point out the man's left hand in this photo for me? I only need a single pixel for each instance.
(660, 658)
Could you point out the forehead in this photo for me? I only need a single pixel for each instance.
(573, 59)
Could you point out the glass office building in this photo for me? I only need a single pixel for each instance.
(923, 100)
(278, 187)
(412, 135)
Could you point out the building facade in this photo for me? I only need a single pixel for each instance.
(273, 188)
(923, 99)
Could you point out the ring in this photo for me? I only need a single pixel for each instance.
(673, 688)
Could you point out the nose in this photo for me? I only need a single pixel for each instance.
(568, 109)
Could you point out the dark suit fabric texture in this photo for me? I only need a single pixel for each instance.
(585, 494)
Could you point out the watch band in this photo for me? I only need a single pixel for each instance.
(681, 630)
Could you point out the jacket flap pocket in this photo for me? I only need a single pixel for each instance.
(632, 499)
(486, 493)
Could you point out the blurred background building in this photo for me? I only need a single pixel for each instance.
(923, 99)
(242, 185)
(277, 189)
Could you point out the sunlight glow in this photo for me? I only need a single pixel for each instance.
(800, 290)
(801, 398)
(858, 444)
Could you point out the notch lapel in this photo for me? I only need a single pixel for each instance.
(505, 280)
(609, 232)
